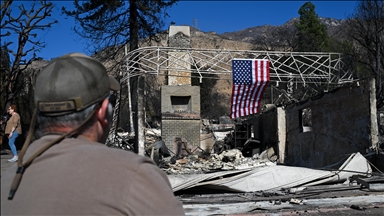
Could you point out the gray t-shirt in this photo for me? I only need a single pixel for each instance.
(79, 177)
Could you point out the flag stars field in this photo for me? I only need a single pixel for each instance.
(250, 78)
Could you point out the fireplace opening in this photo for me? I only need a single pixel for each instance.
(181, 104)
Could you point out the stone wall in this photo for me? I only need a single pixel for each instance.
(183, 128)
(339, 126)
(323, 130)
(265, 128)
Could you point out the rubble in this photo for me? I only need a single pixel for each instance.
(223, 179)
(270, 176)
(228, 160)
(274, 189)
(349, 203)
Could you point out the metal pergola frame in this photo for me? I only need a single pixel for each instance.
(294, 68)
(303, 67)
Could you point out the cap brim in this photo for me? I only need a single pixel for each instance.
(113, 84)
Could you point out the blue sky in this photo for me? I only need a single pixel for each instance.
(218, 16)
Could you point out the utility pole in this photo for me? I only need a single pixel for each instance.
(378, 74)
(131, 127)
(140, 116)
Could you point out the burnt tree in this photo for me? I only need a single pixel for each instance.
(20, 24)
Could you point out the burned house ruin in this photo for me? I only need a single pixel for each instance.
(309, 133)
(321, 130)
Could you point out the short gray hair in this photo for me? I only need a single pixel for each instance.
(71, 120)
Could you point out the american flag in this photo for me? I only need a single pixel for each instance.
(250, 78)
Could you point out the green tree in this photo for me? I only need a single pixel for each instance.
(312, 35)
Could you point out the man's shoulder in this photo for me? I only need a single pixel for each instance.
(102, 151)
(82, 146)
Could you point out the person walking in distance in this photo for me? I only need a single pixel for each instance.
(69, 170)
(13, 130)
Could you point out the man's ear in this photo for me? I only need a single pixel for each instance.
(102, 113)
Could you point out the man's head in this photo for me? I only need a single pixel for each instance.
(72, 83)
(69, 88)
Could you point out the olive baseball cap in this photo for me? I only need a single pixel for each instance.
(71, 83)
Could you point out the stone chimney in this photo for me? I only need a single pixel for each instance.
(180, 102)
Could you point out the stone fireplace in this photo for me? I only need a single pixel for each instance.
(180, 102)
(180, 107)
